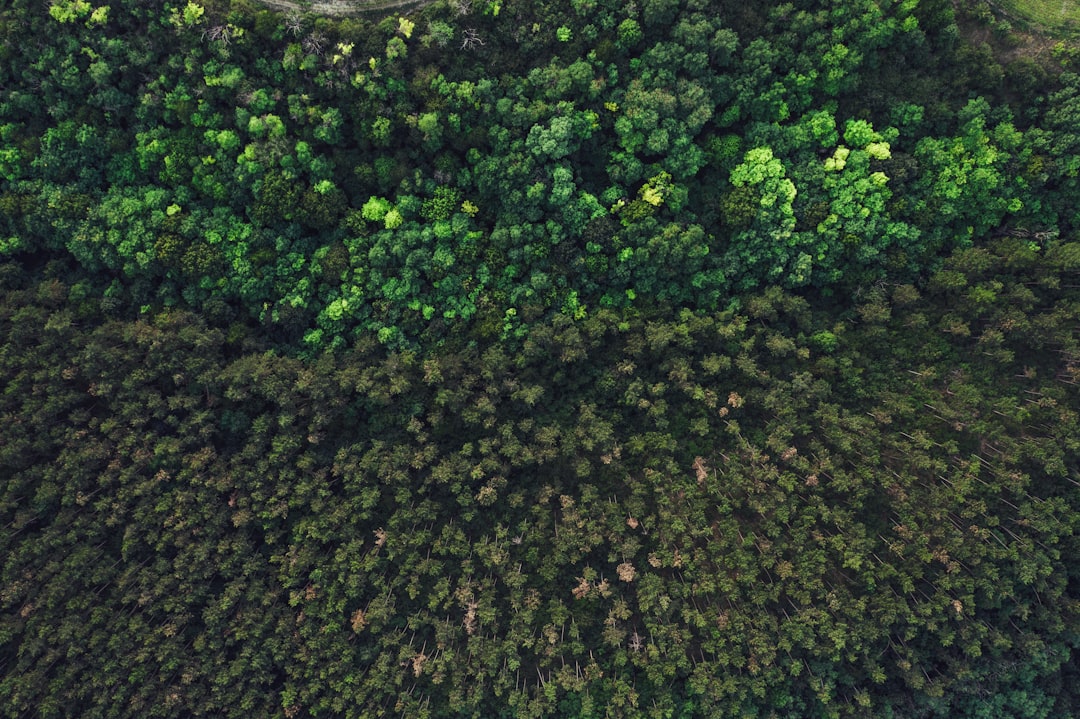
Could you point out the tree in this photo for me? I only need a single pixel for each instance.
(763, 252)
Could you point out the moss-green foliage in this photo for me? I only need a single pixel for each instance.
(267, 135)
(678, 358)
(771, 508)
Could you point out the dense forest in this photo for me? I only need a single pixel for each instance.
(525, 358)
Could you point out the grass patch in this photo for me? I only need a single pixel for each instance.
(1047, 14)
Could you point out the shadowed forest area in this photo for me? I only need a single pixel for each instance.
(587, 359)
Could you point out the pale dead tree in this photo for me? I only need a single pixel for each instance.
(294, 23)
(418, 661)
(218, 33)
(700, 469)
(313, 44)
(463, 7)
(636, 643)
(470, 616)
(471, 41)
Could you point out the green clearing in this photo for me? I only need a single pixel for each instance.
(1049, 14)
(342, 8)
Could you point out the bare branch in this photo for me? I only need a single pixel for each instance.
(471, 40)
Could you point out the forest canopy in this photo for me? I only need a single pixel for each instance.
(669, 358)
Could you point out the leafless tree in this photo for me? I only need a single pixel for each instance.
(218, 33)
(471, 41)
(294, 23)
(313, 44)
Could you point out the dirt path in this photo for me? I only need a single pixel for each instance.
(341, 8)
